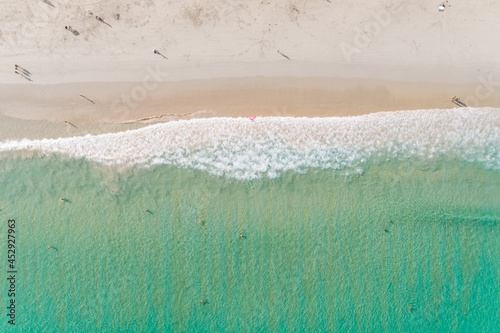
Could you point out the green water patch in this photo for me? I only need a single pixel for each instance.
(159, 249)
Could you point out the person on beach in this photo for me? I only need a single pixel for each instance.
(155, 51)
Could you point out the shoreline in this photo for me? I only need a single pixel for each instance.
(271, 145)
(314, 59)
(49, 111)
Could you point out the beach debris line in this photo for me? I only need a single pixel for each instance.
(160, 116)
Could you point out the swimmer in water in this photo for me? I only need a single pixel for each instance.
(385, 229)
(63, 199)
(49, 247)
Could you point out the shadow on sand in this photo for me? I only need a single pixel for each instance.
(284, 55)
(48, 3)
(459, 103)
(159, 53)
(88, 99)
(24, 75)
(102, 21)
(67, 122)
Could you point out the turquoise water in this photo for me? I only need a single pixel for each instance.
(148, 238)
(315, 257)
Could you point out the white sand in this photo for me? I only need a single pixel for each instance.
(438, 54)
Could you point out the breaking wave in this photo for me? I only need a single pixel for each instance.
(266, 147)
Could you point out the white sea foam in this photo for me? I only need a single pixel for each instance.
(245, 149)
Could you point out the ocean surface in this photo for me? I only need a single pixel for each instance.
(387, 222)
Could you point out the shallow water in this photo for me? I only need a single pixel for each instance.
(314, 258)
(312, 198)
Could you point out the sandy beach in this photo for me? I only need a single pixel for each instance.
(295, 58)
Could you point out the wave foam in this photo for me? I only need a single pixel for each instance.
(240, 148)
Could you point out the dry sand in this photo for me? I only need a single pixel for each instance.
(238, 58)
